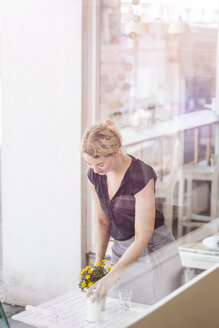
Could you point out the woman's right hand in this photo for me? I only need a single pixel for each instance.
(99, 290)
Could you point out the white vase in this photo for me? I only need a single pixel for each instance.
(93, 313)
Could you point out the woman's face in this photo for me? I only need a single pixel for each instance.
(101, 165)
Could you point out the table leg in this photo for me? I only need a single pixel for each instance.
(196, 145)
(189, 198)
(180, 205)
(208, 146)
(214, 197)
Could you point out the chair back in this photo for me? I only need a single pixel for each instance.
(176, 162)
(165, 186)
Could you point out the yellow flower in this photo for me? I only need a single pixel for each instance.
(91, 261)
(89, 271)
(103, 261)
(87, 276)
(109, 268)
(82, 272)
(83, 285)
(98, 264)
(90, 284)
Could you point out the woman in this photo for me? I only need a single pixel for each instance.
(144, 252)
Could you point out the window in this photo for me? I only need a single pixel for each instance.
(158, 80)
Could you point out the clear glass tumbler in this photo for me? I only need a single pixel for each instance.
(125, 297)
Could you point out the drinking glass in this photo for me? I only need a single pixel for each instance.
(125, 297)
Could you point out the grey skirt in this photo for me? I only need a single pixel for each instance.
(156, 273)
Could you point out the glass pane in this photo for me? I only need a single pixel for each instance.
(158, 82)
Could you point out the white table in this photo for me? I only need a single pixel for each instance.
(197, 258)
(133, 136)
(73, 307)
(194, 254)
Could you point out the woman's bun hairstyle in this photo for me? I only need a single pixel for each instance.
(101, 139)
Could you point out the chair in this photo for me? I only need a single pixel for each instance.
(165, 190)
(3, 319)
(188, 174)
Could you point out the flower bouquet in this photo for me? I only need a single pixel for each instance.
(88, 276)
(92, 273)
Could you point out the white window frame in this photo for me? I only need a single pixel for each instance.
(90, 109)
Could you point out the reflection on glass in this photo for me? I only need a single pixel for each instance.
(159, 86)
(148, 77)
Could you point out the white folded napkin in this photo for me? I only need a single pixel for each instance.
(37, 310)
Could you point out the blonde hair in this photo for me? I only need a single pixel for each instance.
(102, 139)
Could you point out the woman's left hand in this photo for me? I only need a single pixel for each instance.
(101, 287)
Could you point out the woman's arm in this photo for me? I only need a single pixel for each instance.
(144, 226)
(101, 229)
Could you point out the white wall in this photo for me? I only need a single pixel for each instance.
(41, 72)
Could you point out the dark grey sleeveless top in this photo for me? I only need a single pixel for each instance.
(121, 209)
